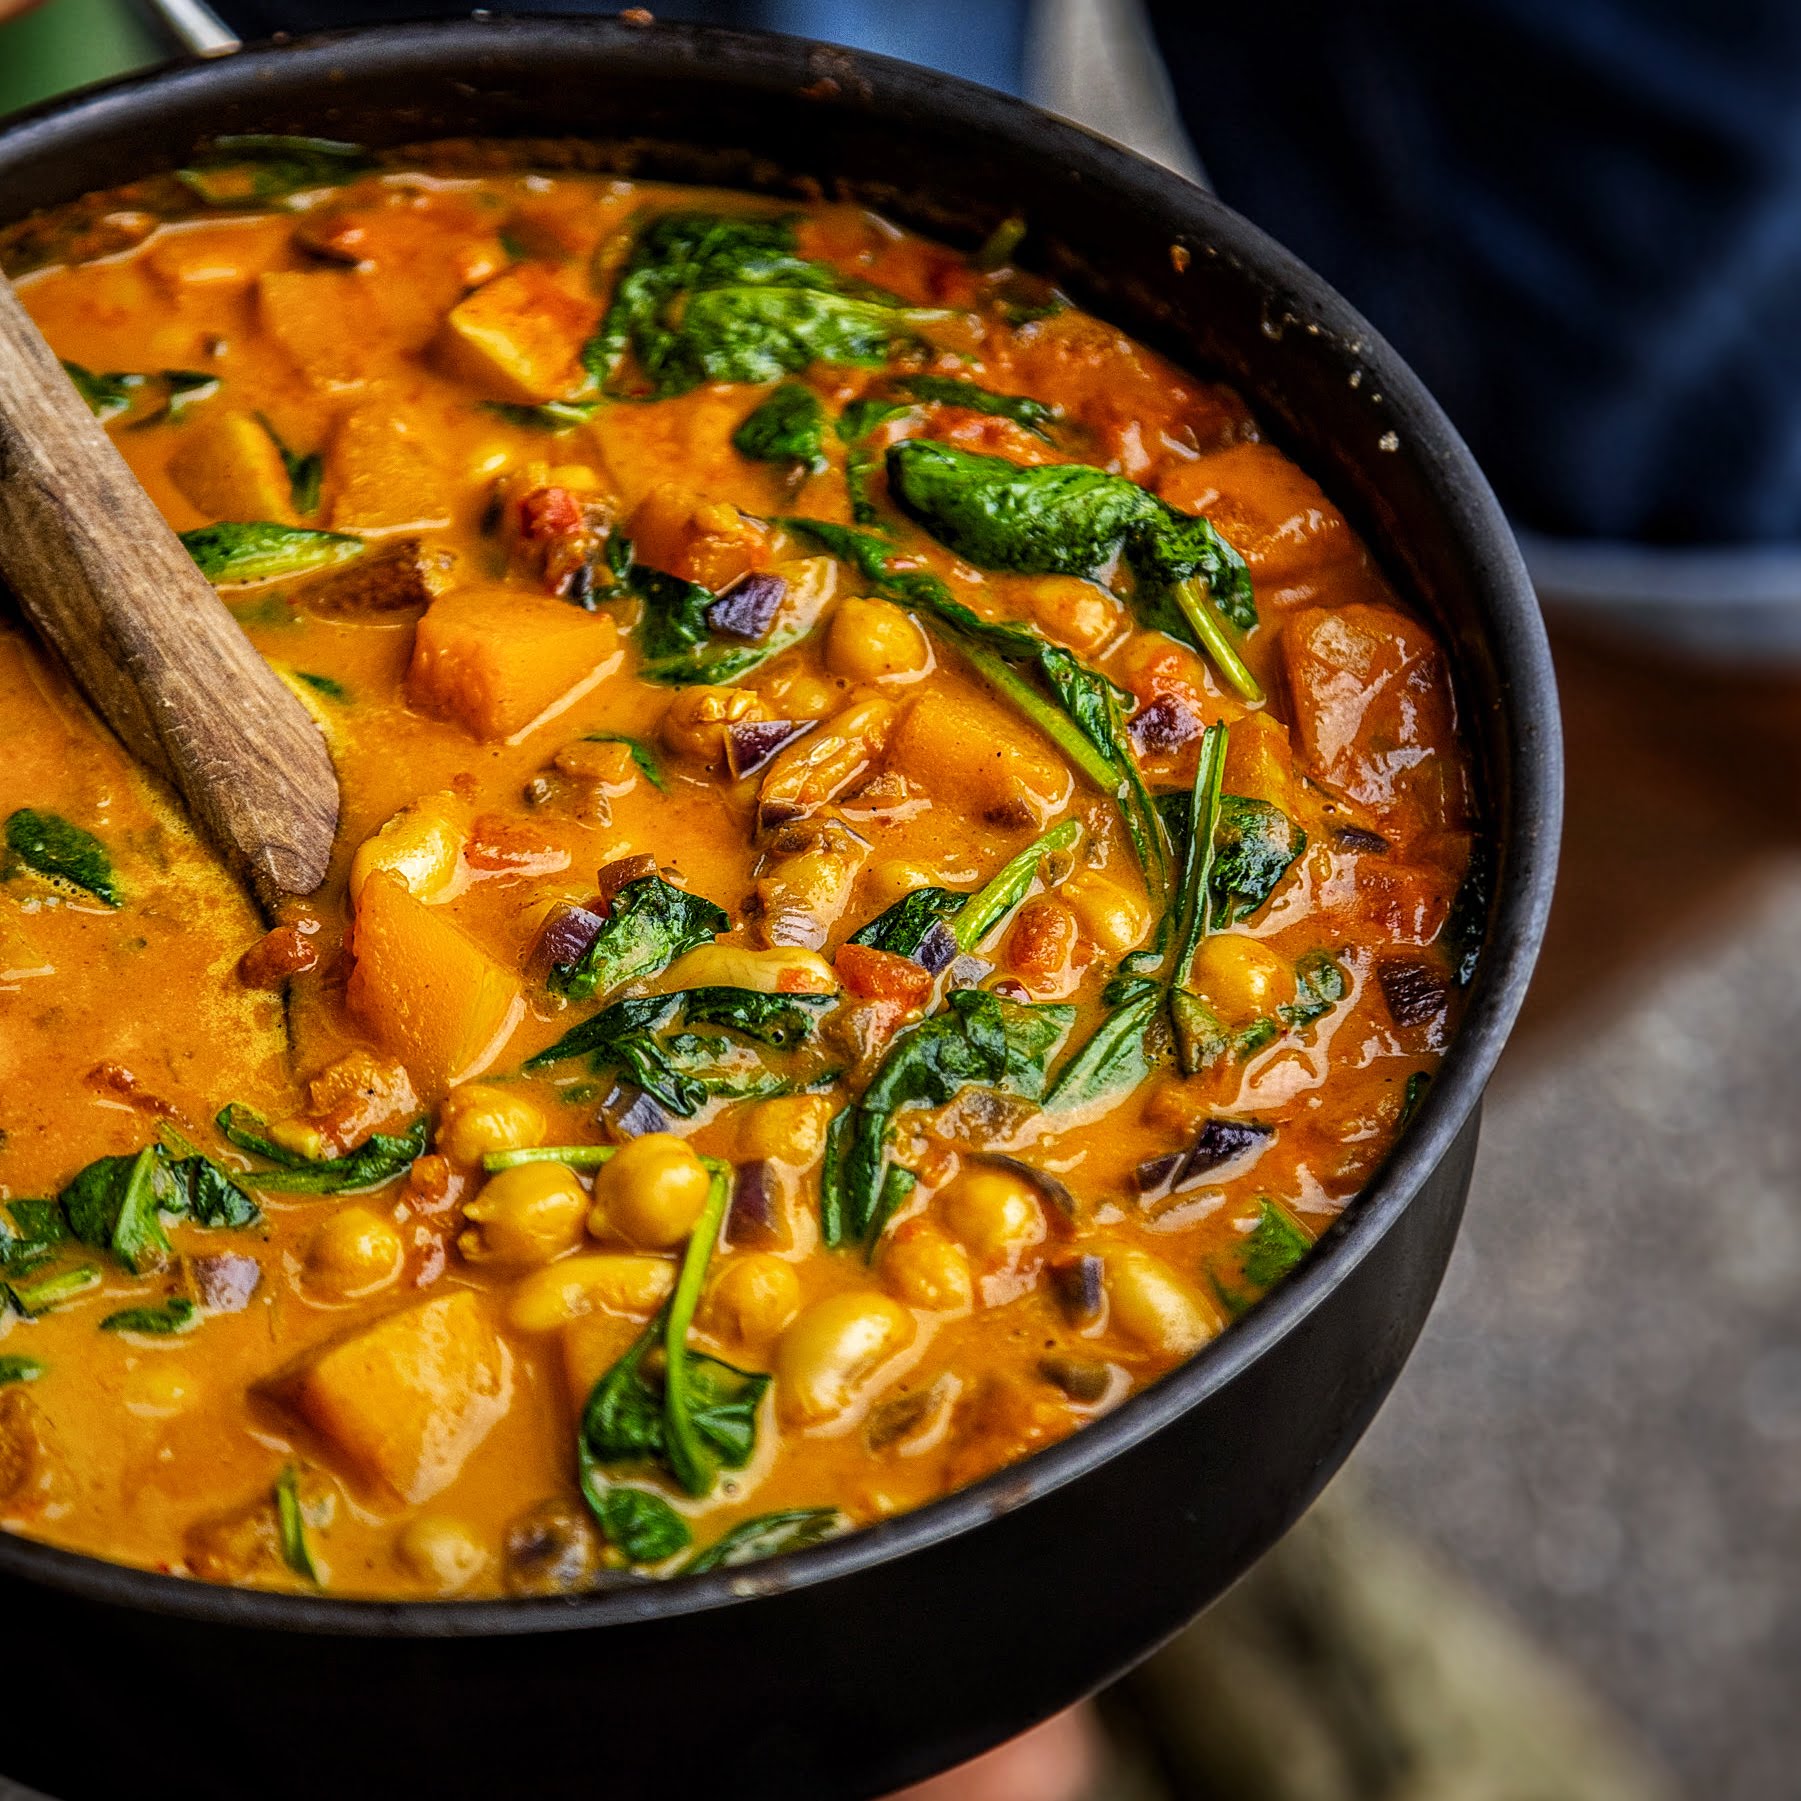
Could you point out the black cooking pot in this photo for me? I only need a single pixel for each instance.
(876, 1660)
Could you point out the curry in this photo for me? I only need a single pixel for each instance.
(899, 865)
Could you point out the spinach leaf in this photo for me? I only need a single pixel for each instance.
(675, 633)
(199, 1187)
(1255, 844)
(1467, 924)
(1082, 713)
(670, 1407)
(554, 416)
(706, 297)
(107, 396)
(768, 1535)
(262, 551)
(1115, 1057)
(306, 474)
(1071, 519)
(1002, 894)
(28, 1369)
(682, 1070)
(329, 686)
(652, 923)
(174, 1316)
(642, 755)
(1411, 1096)
(49, 846)
(788, 427)
(1319, 986)
(903, 927)
(249, 168)
(380, 1158)
(856, 424)
(34, 1298)
(38, 1230)
(290, 1520)
(980, 1039)
(182, 388)
(1275, 1245)
(947, 390)
(113, 1205)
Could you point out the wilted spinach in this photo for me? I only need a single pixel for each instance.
(948, 390)
(1071, 519)
(173, 1317)
(675, 634)
(378, 1159)
(652, 923)
(1274, 1246)
(767, 1535)
(980, 1039)
(262, 551)
(706, 297)
(253, 168)
(172, 391)
(642, 755)
(21, 1369)
(62, 853)
(788, 427)
(306, 473)
(1254, 846)
(113, 1205)
(35, 1232)
(554, 416)
(290, 1523)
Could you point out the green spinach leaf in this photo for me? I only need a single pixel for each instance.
(379, 1159)
(642, 756)
(262, 551)
(947, 390)
(1071, 519)
(788, 427)
(49, 846)
(113, 1205)
(903, 927)
(553, 416)
(37, 1230)
(675, 632)
(107, 396)
(290, 1521)
(1255, 844)
(21, 1369)
(175, 1316)
(251, 168)
(767, 1535)
(306, 474)
(1275, 1246)
(34, 1298)
(652, 923)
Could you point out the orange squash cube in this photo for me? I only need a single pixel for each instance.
(407, 1400)
(384, 474)
(519, 337)
(228, 467)
(1273, 514)
(424, 989)
(325, 320)
(498, 661)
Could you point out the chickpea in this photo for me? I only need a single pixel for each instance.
(870, 640)
(994, 1213)
(751, 1300)
(422, 845)
(529, 1214)
(789, 1129)
(894, 879)
(477, 1119)
(1116, 919)
(632, 1287)
(441, 1553)
(1075, 612)
(928, 1269)
(651, 1193)
(1150, 1303)
(160, 1389)
(1239, 978)
(354, 1253)
(801, 694)
(833, 1354)
(695, 720)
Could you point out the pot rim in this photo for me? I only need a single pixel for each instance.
(1531, 783)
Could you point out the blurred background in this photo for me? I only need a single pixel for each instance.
(1566, 1563)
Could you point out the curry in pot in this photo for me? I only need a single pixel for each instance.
(899, 865)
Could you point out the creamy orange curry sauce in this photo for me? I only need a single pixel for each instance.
(899, 864)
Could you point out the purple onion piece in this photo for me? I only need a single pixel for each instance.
(1413, 992)
(1165, 725)
(630, 1113)
(937, 949)
(1355, 838)
(754, 1216)
(748, 607)
(967, 971)
(1077, 1285)
(566, 936)
(224, 1281)
(752, 742)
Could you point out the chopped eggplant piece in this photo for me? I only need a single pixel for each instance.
(1164, 726)
(389, 578)
(937, 950)
(747, 609)
(1219, 1142)
(1360, 840)
(1412, 992)
(551, 1549)
(1077, 1284)
(1084, 1379)
(750, 743)
(755, 1215)
(1051, 1190)
(629, 1113)
(225, 1281)
(565, 937)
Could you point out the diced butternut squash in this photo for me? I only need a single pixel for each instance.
(520, 336)
(674, 529)
(228, 467)
(498, 661)
(1373, 714)
(407, 1400)
(325, 320)
(384, 474)
(1259, 760)
(207, 255)
(978, 757)
(1272, 513)
(427, 992)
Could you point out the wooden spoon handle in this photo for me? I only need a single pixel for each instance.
(110, 586)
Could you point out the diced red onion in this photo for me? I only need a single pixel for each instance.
(565, 936)
(752, 742)
(748, 607)
(754, 1216)
(937, 949)
(224, 1281)
(1165, 725)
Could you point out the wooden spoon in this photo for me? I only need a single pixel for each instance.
(111, 588)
